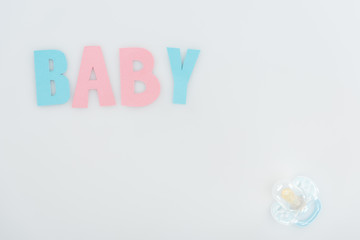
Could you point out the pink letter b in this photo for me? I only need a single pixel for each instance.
(128, 77)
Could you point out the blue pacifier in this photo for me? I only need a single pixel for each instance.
(297, 202)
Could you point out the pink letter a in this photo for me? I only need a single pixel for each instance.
(93, 59)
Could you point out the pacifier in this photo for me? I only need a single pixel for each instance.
(296, 202)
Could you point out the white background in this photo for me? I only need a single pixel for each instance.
(275, 94)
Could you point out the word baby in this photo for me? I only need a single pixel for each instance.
(93, 60)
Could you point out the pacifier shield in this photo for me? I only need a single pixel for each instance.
(297, 202)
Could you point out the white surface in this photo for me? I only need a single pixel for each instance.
(275, 94)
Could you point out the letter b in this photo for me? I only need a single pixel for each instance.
(44, 75)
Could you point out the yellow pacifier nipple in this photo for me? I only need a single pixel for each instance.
(290, 197)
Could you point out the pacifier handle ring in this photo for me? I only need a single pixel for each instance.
(307, 221)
